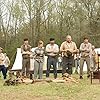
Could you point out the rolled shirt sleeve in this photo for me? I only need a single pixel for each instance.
(62, 47)
(56, 50)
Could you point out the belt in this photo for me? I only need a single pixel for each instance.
(68, 56)
(52, 56)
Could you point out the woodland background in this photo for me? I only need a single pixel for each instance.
(42, 19)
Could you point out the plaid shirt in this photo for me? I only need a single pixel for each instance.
(2, 58)
(85, 49)
(39, 54)
(24, 49)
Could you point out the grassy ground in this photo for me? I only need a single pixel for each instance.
(52, 91)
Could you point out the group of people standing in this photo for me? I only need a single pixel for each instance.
(68, 50)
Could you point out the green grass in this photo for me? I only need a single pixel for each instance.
(52, 91)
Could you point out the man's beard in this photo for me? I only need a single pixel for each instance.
(69, 41)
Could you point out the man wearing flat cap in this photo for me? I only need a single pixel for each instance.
(52, 50)
(26, 52)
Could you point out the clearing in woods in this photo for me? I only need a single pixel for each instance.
(52, 91)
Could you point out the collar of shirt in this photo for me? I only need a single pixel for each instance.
(69, 44)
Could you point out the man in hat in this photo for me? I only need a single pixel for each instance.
(2, 67)
(26, 52)
(85, 50)
(68, 49)
(52, 50)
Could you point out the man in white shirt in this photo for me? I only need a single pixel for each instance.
(6, 61)
(52, 50)
(2, 67)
